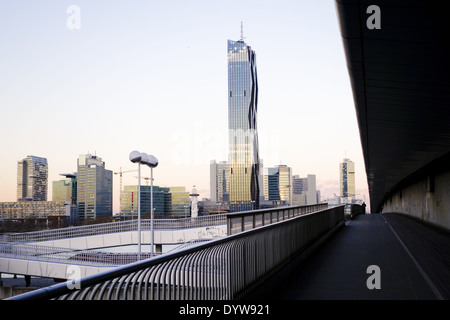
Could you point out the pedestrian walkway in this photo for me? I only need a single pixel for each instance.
(390, 251)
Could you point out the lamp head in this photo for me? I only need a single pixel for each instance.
(143, 158)
(152, 161)
(135, 156)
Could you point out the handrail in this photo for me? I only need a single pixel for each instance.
(114, 227)
(67, 256)
(245, 220)
(353, 209)
(224, 268)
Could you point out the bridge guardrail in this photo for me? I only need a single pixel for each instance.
(246, 220)
(68, 256)
(352, 210)
(225, 268)
(114, 227)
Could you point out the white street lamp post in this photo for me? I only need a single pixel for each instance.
(151, 207)
(151, 161)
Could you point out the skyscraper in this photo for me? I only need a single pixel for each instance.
(243, 157)
(272, 184)
(278, 184)
(32, 177)
(304, 190)
(94, 187)
(219, 181)
(347, 180)
(66, 189)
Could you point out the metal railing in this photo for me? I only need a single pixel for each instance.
(98, 258)
(225, 268)
(114, 227)
(67, 256)
(246, 220)
(352, 210)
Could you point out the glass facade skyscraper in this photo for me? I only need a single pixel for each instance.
(278, 184)
(219, 181)
(32, 179)
(272, 184)
(167, 201)
(129, 201)
(243, 156)
(347, 177)
(94, 187)
(304, 190)
(65, 190)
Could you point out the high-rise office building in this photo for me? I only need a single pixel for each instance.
(32, 177)
(219, 181)
(304, 190)
(243, 157)
(94, 187)
(272, 184)
(285, 184)
(167, 201)
(65, 189)
(129, 201)
(180, 202)
(347, 180)
(278, 184)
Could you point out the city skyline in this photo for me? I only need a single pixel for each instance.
(153, 77)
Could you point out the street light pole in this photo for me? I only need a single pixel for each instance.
(151, 210)
(151, 161)
(139, 212)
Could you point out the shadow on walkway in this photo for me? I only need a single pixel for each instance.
(411, 262)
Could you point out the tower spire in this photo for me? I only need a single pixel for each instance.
(242, 31)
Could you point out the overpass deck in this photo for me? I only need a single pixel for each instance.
(413, 261)
(381, 256)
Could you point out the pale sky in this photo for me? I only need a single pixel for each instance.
(118, 76)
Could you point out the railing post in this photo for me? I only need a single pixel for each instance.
(254, 220)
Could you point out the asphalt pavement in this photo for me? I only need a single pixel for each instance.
(374, 257)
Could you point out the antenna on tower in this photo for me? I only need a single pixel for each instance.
(242, 31)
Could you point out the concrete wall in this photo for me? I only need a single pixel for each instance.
(46, 269)
(426, 200)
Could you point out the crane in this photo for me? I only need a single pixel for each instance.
(146, 178)
(120, 175)
(120, 172)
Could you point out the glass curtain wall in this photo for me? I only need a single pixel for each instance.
(242, 119)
